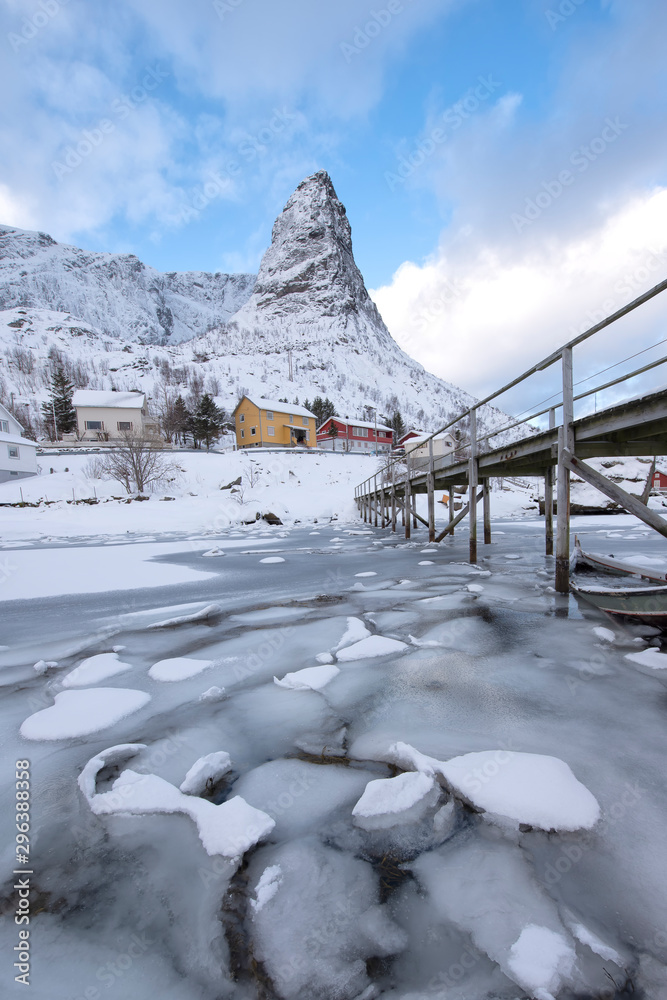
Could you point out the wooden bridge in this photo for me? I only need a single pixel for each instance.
(637, 426)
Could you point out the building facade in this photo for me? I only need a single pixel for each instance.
(354, 436)
(660, 481)
(18, 455)
(269, 423)
(105, 416)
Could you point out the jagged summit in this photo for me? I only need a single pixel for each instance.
(308, 275)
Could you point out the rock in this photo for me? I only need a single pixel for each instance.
(271, 518)
(236, 482)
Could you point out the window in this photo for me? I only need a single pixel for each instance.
(291, 418)
(242, 434)
(93, 425)
(241, 418)
(307, 435)
(269, 414)
(124, 425)
(271, 431)
(360, 432)
(253, 431)
(4, 426)
(304, 421)
(13, 473)
(13, 451)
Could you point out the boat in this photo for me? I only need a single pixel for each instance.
(644, 605)
(607, 564)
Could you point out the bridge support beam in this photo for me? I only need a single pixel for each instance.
(486, 503)
(472, 486)
(430, 489)
(393, 499)
(407, 497)
(549, 498)
(565, 444)
(449, 530)
(450, 508)
(614, 492)
(375, 498)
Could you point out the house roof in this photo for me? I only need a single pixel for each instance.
(102, 398)
(275, 404)
(355, 423)
(5, 412)
(13, 439)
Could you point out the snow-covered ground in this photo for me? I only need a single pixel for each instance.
(368, 770)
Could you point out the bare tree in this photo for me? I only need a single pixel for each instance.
(137, 464)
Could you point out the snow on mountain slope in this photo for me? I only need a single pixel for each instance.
(115, 293)
(309, 298)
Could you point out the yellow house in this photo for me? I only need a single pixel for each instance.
(265, 422)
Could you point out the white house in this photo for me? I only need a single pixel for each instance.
(18, 455)
(443, 444)
(102, 416)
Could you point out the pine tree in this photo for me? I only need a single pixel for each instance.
(59, 405)
(207, 421)
(397, 426)
(328, 409)
(317, 408)
(181, 418)
(333, 434)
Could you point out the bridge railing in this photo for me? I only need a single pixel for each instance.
(403, 469)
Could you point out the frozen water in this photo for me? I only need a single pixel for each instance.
(446, 898)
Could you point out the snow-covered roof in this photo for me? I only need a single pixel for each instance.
(275, 404)
(4, 412)
(356, 423)
(13, 439)
(420, 438)
(97, 397)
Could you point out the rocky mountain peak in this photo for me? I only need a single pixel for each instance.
(308, 276)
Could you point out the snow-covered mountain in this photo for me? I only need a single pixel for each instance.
(115, 293)
(124, 325)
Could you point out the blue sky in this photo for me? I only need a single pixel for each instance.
(177, 132)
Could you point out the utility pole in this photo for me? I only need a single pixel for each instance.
(55, 423)
(291, 369)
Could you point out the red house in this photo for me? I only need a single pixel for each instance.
(660, 481)
(354, 435)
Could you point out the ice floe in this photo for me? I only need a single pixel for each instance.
(229, 829)
(374, 645)
(207, 769)
(79, 713)
(178, 668)
(210, 611)
(650, 657)
(388, 801)
(94, 669)
(272, 559)
(308, 679)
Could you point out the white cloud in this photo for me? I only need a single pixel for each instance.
(478, 317)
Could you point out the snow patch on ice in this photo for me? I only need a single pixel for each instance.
(209, 768)
(272, 559)
(178, 668)
(539, 959)
(374, 645)
(79, 713)
(212, 694)
(388, 801)
(308, 679)
(650, 657)
(605, 634)
(197, 616)
(267, 887)
(354, 632)
(94, 669)
(368, 573)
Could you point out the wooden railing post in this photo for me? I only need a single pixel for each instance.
(549, 497)
(472, 486)
(375, 498)
(383, 508)
(565, 443)
(393, 498)
(450, 506)
(430, 489)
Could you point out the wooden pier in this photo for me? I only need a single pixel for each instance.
(637, 426)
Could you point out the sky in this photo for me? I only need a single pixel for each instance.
(503, 162)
